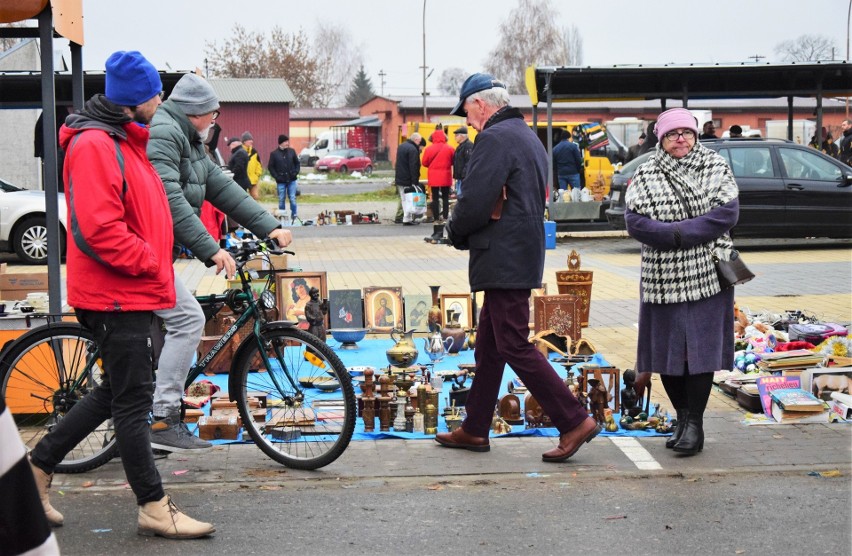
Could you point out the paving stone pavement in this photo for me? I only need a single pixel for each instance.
(812, 275)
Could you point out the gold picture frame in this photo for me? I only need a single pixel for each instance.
(291, 290)
(383, 308)
(457, 304)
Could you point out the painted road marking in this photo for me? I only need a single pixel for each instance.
(634, 451)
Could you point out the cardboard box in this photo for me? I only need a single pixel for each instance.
(279, 262)
(211, 427)
(23, 281)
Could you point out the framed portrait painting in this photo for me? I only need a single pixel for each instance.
(382, 308)
(345, 309)
(456, 307)
(293, 291)
(417, 312)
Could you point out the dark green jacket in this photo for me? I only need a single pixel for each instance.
(190, 177)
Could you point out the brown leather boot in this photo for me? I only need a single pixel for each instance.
(165, 519)
(570, 442)
(43, 481)
(460, 439)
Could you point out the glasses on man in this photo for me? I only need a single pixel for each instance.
(687, 134)
(215, 114)
(161, 94)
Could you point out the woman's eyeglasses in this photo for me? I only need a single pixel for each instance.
(687, 134)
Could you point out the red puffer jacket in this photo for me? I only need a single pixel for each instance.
(438, 157)
(119, 231)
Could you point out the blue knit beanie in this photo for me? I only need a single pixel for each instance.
(131, 80)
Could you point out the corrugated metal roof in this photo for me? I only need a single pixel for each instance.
(363, 121)
(523, 101)
(252, 90)
(346, 113)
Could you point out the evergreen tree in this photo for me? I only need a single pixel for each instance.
(361, 91)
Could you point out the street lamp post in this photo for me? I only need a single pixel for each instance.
(424, 60)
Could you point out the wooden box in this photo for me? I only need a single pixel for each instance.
(193, 415)
(230, 412)
(560, 313)
(211, 427)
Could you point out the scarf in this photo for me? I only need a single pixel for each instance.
(705, 181)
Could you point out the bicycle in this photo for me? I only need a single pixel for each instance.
(48, 369)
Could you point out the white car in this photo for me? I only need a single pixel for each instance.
(23, 223)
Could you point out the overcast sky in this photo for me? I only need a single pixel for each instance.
(460, 33)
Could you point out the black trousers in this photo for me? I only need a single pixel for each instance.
(444, 194)
(125, 395)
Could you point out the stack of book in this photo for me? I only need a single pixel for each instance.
(796, 359)
(794, 405)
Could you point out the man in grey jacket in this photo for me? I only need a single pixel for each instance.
(176, 149)
(499, 218)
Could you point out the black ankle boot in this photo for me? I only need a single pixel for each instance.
(692, 439)
(681, 424)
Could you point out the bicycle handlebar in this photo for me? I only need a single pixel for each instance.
(243, 250)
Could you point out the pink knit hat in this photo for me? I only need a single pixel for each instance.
(675, 118)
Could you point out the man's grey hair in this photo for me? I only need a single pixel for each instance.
(415, 138)
(496, 96)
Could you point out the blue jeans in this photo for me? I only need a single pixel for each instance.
(458, 187)
(124, 395)
(285, 191)
(572, 179)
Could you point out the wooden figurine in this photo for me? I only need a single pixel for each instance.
(598, 398)
(315, 312)
(631, 404)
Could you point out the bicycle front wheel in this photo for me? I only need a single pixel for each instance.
(46, 372)
(304, 421)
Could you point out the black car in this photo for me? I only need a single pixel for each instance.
(786, 189)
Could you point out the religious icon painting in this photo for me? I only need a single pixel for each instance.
(417, 312)
(383, 308)
(345, 309)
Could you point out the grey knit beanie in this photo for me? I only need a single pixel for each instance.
(194, 95)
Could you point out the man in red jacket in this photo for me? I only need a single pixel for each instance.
(119, 271)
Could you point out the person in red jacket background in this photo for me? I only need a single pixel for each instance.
(438, 158)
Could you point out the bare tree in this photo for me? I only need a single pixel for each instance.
(283, 55)
(528, 36)
(806, 48)
(573, 46)
(337, 60)
(451, 81)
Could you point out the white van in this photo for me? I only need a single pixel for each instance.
(325, 142)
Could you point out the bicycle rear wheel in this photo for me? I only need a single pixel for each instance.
(306, 423)
(44, 373)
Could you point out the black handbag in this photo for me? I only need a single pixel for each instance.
(730, 273)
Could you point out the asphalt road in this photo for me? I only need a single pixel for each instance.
(567, 513)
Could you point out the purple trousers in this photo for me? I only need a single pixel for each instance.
(502, 337)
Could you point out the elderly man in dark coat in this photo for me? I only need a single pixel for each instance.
(499, 218)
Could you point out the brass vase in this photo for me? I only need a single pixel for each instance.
(435, 318)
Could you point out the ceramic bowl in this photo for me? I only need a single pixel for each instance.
(348, 336)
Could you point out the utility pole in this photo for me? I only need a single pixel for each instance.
(757, 57)
(382, 75)
(423, 67)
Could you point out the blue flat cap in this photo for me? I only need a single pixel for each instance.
(472, 85)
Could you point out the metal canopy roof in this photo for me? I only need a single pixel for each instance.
(363, 121)
(691, 81)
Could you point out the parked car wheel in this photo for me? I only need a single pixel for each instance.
(344, 169)
(368, 171)
(30, 241)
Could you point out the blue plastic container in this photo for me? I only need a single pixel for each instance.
(549, 234)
